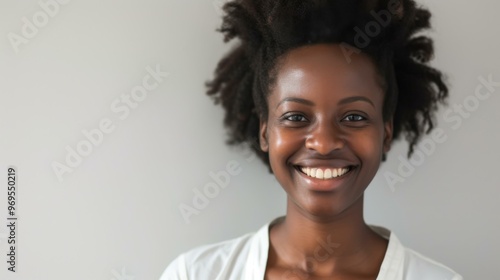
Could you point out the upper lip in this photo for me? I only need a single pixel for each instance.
(330, 163)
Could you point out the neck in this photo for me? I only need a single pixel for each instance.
(334, 242)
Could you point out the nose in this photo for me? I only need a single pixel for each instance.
(325, 138)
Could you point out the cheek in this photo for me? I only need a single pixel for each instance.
(369, 146)
(282, 144)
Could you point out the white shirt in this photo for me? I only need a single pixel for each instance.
(245, 258)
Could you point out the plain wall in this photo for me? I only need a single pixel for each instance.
(116, 213)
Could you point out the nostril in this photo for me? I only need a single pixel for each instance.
(324, 144)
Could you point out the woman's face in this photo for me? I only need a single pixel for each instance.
(325, 134)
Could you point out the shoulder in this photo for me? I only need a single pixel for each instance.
(217, 254)
(214, 261)
(401, 262)
(206, 260)
(418, 266)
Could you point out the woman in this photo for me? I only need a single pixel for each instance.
(325, 87)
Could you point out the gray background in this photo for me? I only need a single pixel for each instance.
(116, 215)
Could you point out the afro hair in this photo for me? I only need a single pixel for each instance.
(387, 31)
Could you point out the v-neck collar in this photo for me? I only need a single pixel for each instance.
(389, 270)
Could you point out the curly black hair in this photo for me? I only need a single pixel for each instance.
(269, 29)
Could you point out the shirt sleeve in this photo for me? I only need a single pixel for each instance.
(176, 270)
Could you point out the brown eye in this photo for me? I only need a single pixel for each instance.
(295, 118)
(354, 118)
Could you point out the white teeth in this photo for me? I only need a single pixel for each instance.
(313, 172)
(319, 173)
(328, 174)
(324, 174)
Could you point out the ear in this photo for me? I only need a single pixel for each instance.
(388, 128)
(264, 144)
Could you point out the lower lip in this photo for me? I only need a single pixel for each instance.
(324, 185)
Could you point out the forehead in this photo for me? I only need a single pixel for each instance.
(326, 69)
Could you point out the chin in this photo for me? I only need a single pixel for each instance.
(321, 207)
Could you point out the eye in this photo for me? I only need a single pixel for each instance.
(295, 118)
(354, 118)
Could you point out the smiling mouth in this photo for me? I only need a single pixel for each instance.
(324, 173)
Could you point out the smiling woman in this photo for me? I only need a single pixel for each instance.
(325, 131)
(325, 110)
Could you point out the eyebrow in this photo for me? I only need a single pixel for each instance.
(341, 102)
(354, 99)
(295, 99)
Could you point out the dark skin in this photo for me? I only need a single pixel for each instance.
(325, 113)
